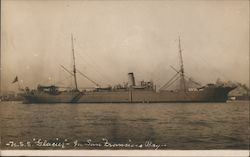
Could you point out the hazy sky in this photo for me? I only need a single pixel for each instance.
(113, 38)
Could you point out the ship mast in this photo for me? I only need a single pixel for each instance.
(0, 72)
(74, 63)
(182, 79)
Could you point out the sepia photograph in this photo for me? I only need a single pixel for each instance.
(124, 77)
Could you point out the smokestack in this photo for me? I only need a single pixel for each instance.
(131, 79)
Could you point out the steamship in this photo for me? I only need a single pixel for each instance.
(145, 92)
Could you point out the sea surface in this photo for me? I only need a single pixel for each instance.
(168, 126)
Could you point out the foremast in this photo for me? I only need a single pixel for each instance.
(74, 63)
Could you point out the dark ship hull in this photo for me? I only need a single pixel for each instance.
(216, 94)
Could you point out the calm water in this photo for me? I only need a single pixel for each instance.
(125, 126)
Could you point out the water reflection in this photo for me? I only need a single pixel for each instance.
(179, 126)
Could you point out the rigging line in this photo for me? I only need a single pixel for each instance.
(86, 61)
(190, 79)
(166, 84)
(218, 72)
(173, 81)
(100, 76)
(84, 57)
(214, 69)
(67, 70)
(76, 17)
(185, 75)
(87, 78)
(80, 74)
(76, 24)
(90, 58)
(91, 63)
(158, 78)
(91, 80)
(170, 79)
(84, 65)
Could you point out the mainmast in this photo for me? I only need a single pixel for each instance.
(0, 72)
(182, 79)
(74, 63)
